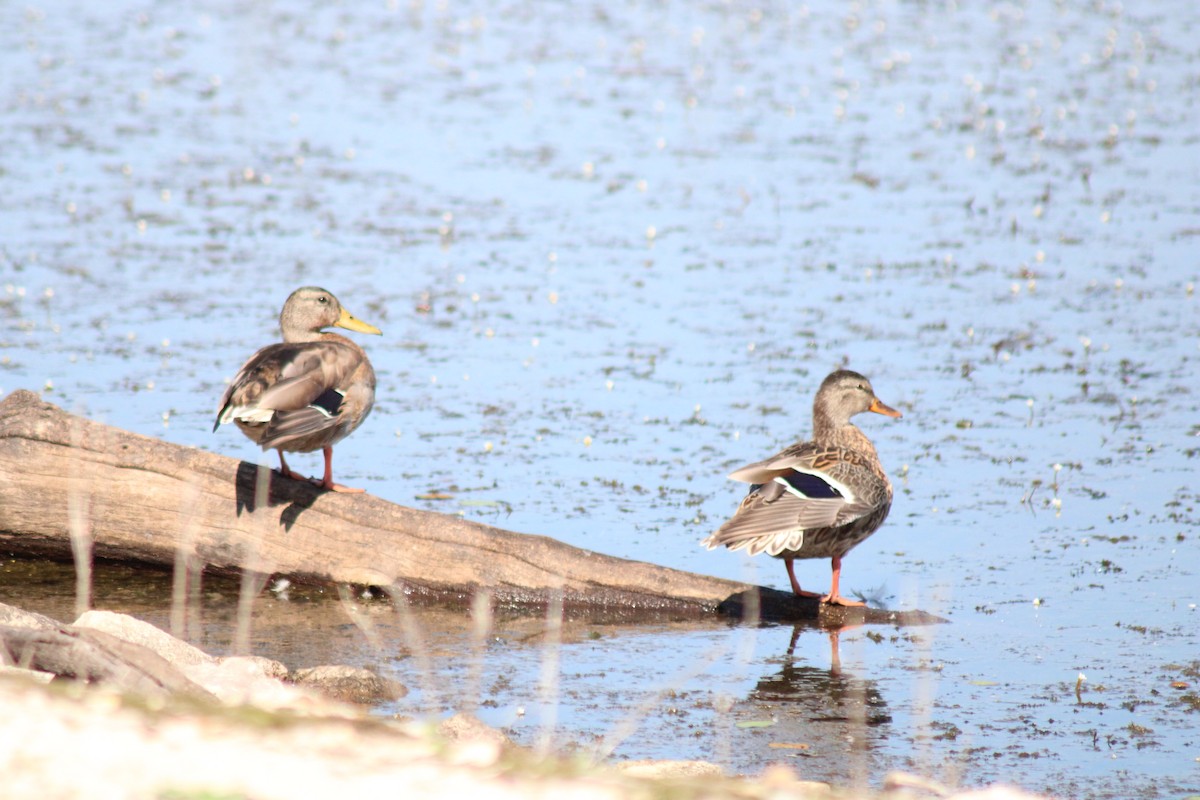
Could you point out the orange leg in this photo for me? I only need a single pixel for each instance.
(327, 482)
(324, 483)
(833, 598)
(835, 654)
(787, 562)
(286, 471)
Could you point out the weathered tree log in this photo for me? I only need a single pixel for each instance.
(132, 497)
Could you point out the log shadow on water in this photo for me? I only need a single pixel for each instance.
(773, 605)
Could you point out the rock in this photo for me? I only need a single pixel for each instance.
(246, 681)
(474, 743)
(127, 653)
(651, 768)
(463, 727)
(782, 776)
(267, 667)
(30, 674)
(88, 655)
(349, 684)
(234, 680)
(19, 618)
(132, 629)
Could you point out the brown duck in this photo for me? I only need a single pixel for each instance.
(307, 392)
(820, 498)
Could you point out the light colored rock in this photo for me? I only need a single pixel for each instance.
(30, 674)
(19, 618)
(348, 684)
(245, 681)
(475, 743)
(782, 776)
(267, 667)
(234, 680)
(463, 727)
(132, 629)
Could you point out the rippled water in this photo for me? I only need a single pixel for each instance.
(613, 249)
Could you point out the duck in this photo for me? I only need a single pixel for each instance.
(307, 392)
(817, 498)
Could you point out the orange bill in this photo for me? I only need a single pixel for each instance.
(879, 407)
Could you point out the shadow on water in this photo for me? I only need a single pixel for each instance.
(772, 605)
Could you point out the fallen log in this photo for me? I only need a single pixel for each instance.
(69, 483)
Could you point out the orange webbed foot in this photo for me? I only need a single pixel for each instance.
(838, 600)
(334, 487)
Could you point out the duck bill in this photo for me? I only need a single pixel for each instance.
(353, 323)
(879, 407)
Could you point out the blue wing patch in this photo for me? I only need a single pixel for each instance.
(811, 486)
(329, 402)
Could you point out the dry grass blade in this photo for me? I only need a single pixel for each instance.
(185, 578)
(256, 574)
(482, 618)
(360, 620)
(548, 685)
(79, 524)
(414, 640)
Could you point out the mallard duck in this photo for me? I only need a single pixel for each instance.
(820, 498)
(307, 392)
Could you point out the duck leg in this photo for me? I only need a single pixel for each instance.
(327, 481)
(833, 598)
(286, 471)
(788, 562)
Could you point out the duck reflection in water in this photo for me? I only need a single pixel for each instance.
(828, 694)
(831, 721)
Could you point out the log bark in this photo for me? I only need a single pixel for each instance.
(67, 482)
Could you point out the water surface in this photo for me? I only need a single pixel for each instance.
(613, 250)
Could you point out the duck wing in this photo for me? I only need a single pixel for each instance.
(801, 489)
(295, 388)
(330, 417)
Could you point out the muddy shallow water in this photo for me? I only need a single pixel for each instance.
(613, 249)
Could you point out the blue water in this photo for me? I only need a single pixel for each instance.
(614, 249)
